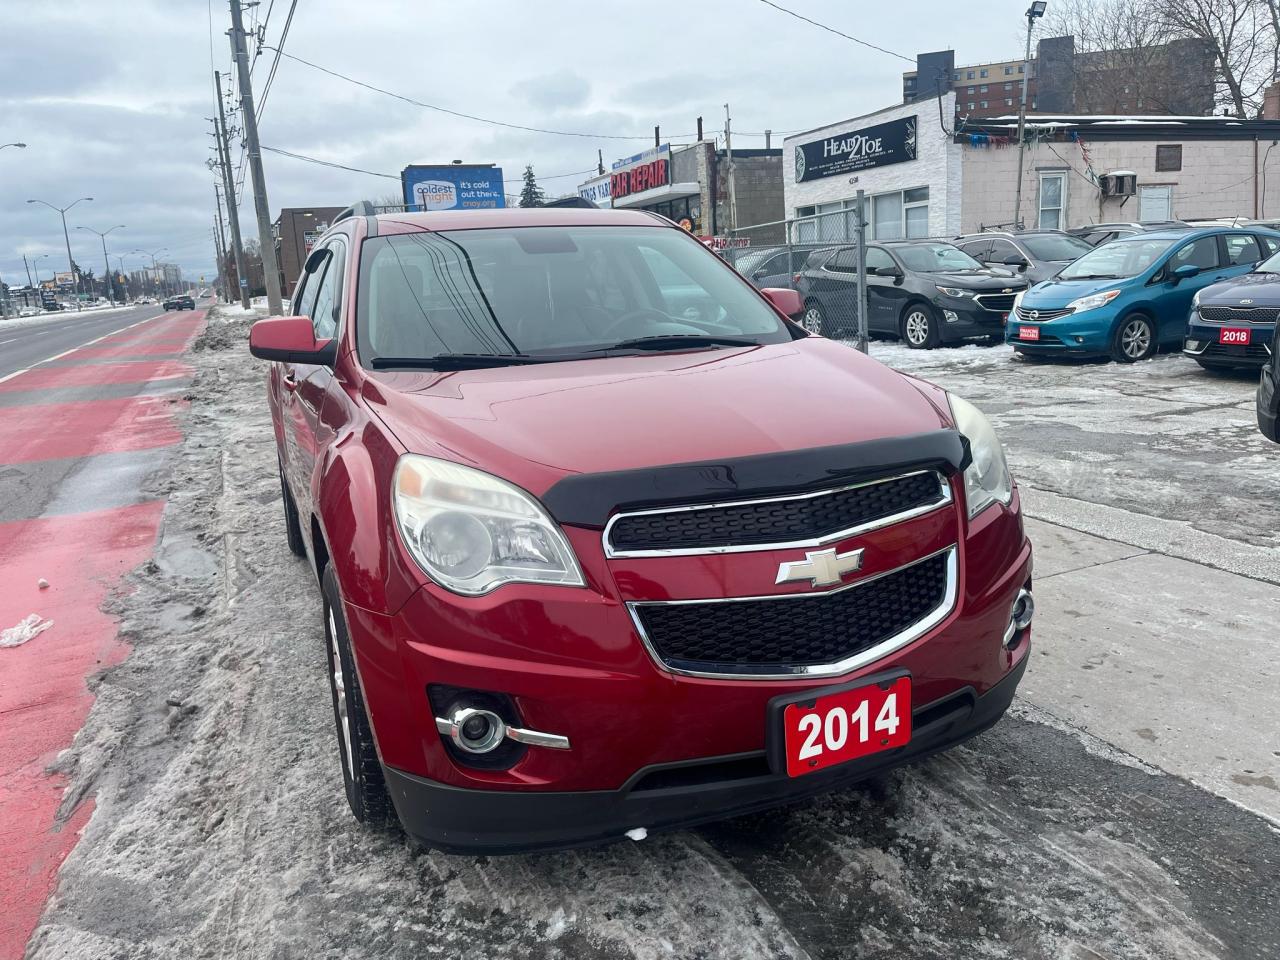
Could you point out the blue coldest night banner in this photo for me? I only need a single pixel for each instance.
(453, 187)
(878, 146)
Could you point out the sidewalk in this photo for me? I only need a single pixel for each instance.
(1168, 660)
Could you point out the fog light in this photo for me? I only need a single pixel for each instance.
(1078, 339)
(476, 731)
(1024, 608)
(951, 316)
(1194, 345)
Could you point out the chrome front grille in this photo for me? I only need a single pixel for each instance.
(1040, 315)
(796, 520)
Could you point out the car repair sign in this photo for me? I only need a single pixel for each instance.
(455, 186)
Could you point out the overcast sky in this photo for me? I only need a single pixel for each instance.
(111, 99)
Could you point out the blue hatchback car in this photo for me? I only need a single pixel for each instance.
(1128, 297)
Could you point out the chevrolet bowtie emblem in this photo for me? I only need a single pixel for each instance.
(822, 568)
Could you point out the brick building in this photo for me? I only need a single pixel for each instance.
(690, 185)
(1174, 78)
(295, 231)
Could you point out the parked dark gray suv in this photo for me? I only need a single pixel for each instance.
(925, 291)
(1034, 254)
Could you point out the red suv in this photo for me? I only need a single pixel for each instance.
(606, 543)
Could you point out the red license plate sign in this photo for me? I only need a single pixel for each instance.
(1234, 335)
(1028, 333)
(844, 726)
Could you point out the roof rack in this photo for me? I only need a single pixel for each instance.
(361, 208)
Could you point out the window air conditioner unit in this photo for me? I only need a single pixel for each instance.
(1119, 183)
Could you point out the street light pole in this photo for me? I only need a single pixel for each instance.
(71, 264)
(154, 268)
(106, 263)
(1035, 10)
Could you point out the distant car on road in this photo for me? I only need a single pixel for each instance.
(1126, 298)
(182, 302)
(1034, 254)
(924, 291)
(1233, 323)
(1096, 234)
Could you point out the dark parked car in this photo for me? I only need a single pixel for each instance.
(1233, 323)
(772, 267)
(1096, 234)
(924, 291)
(1268, 397)
(589, 567)
(183, 302)
(1034, 254)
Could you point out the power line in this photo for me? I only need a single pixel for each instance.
(275, 62)
(468, 116)
(396, 176)
(838, 33)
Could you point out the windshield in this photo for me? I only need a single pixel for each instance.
(1269, 265)
(548, 290)
(936, 258)
(1126, 257)
(1055, 247)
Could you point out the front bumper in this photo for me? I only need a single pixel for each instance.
(963, 319)
(669, 796)
(1083, 334)
(1202, 343)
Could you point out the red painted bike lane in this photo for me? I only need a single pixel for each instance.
(80, 558)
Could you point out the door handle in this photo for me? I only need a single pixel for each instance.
(289, 381)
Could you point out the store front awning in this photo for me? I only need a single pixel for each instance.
(667, 192)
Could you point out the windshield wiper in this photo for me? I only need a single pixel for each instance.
(460, 361)
(1092, 276)
(678, 340)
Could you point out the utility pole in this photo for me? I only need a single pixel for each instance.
(862, 272)
(1035, 10)
(229, 191)
(26, 266)
(220, 241)
(733, 192)
(71, 264)
(106, 263)
(265, 240)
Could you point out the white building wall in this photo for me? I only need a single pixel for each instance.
(1217, 179)
(938, 165)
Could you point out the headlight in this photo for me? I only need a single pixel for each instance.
(1195, 300)
(954, 292)
(987, 478)
(1017, 301)
(471, 532)
(1093, 301)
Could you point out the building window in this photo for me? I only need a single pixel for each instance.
(972, 104)
(1168, 156)
(983, 104)
(983, 88)
(1008, 71)
(1008, 86)
(890, 216)
(1008, 101)
(957, 76)
(1020, 68)
(982, 73)
(972, 91)
(1053, 190)
(969, 75)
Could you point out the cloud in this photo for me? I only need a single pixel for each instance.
(554, 92)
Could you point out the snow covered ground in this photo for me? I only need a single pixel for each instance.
(221, 830)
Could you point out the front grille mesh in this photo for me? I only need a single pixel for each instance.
(1024, 313)
(1241, 314)
(777, 521)
(757, 636)
(999, 302)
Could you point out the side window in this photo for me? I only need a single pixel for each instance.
(327, 306)
(1242, 248)
(1001, 250)
(846, 261)
(1202, 253)
(775, 264)
(1269, 245)
(978, 249)
(876, 258)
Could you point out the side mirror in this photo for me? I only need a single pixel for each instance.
(290, 340)
(1185, 272)
(1014, 260)
(785, 301)
(887, 272)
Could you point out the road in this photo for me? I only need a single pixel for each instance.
(87, 413)
(1104, 818)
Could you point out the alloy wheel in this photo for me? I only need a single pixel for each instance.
(339, 690)
(917, 328)
(812, 321)
(1135, 338)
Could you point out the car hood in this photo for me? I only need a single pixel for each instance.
(535, 424)
(979, 279)
(1058, 293)
(1262, 288)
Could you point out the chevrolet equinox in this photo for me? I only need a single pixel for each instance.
(606, 543)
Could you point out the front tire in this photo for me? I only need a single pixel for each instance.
(814, 319)
(361, 771)
(1134, 339)
(920, 327)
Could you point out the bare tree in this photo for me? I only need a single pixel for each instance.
(1243, 37)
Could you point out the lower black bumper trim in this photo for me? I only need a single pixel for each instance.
(458, 820)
